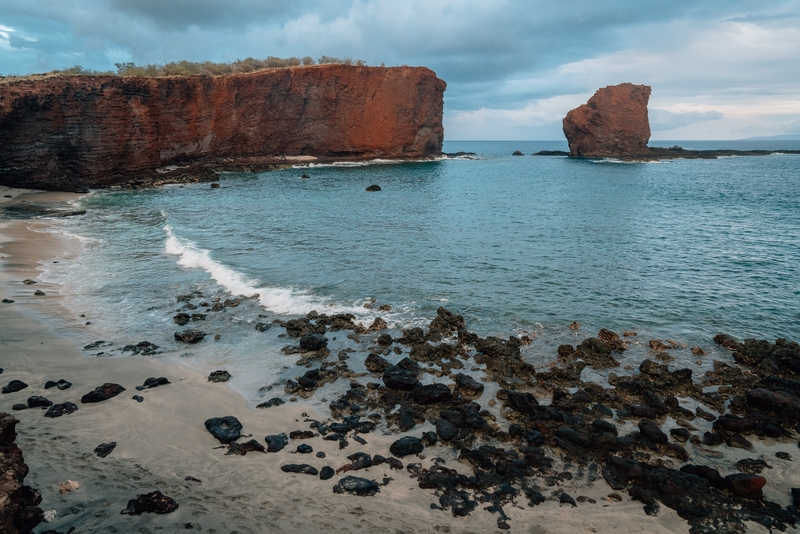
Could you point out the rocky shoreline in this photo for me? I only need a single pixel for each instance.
(465, 421)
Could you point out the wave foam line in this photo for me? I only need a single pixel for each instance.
(276, 299)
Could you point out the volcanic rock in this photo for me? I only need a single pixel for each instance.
(19, 510)
(746, 485)
(357, 486)
(613, 123)
(190, 336)
(312, 342)
(39, 402)
(468, 385)
(225, 429)
(406, 446)
(101, 393)
(73, 132)
(219, 376)
(104, 449)
(243, 448)
(276, 443)
(304, 469)
(14, 386)
(61, 384)
(64, 408)
(154, 502)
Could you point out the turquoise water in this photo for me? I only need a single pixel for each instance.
(683, 249)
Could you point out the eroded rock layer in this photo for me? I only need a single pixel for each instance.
(73, 132)
(613, 123)
(19, 510)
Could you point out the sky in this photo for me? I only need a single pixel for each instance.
(719, 69)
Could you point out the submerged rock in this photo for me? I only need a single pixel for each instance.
(154, 502)
(219, 376)
(104, 449)
(190, 336)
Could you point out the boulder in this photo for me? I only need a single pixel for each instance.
(357, 486)
(190, 336)
(19, 504)
(104, 449)
(64, 408)
(276, 442)
(431, 394)
(406, 446)
(313, 342)
(101, 393)
(304, 469)
(14, 386)
(154, 502)
(746, 485)
(219, 376)
(225, 429)
(398, 378)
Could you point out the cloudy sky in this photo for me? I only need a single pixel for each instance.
(720, 69)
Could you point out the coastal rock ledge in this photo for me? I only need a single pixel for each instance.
(613, 123)
(75, 132)
(19, 510)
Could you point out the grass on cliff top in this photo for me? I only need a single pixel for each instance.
(191, 68)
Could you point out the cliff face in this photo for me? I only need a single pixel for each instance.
(93, 131)
(19, 510)
(612, 123)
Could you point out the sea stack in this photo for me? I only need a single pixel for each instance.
(75, 132)
(613, 123)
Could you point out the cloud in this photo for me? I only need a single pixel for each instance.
(661, 119)
(503, 60)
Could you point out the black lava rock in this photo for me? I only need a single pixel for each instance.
(446, 430)
(243, 448)
(61, 384)
(39, 402)
(19, 406)
(326, 473)
(182, 318)
(312, 342)
(431, 394)
(373, 187)
(155, 382)
(652, 432)
(101, 393)
(566, 499)
(275, 401)
(376, 363)
(57, 410)
(104, 449)
(225, 429)
(406, 446)
(304, 469)
(14, 386)
(400, 379)
(138, 398)
(190, 336)
(219, 376)
(155, 502)
(357, 486)
(276, 443)
(304, 449)
(467, 385)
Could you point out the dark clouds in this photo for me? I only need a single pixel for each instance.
(502, 54)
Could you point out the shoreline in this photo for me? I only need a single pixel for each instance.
(162, 440)
(158, 452)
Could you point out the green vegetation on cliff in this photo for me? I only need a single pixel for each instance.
(208, 68)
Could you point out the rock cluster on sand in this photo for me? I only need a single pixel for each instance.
(613, 123)
(19, 510)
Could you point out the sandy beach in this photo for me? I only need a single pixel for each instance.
(162, 440)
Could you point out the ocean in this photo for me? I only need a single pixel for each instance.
(518, 245)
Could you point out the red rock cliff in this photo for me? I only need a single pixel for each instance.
(94, 131)
(613, 123)
(19, 510)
